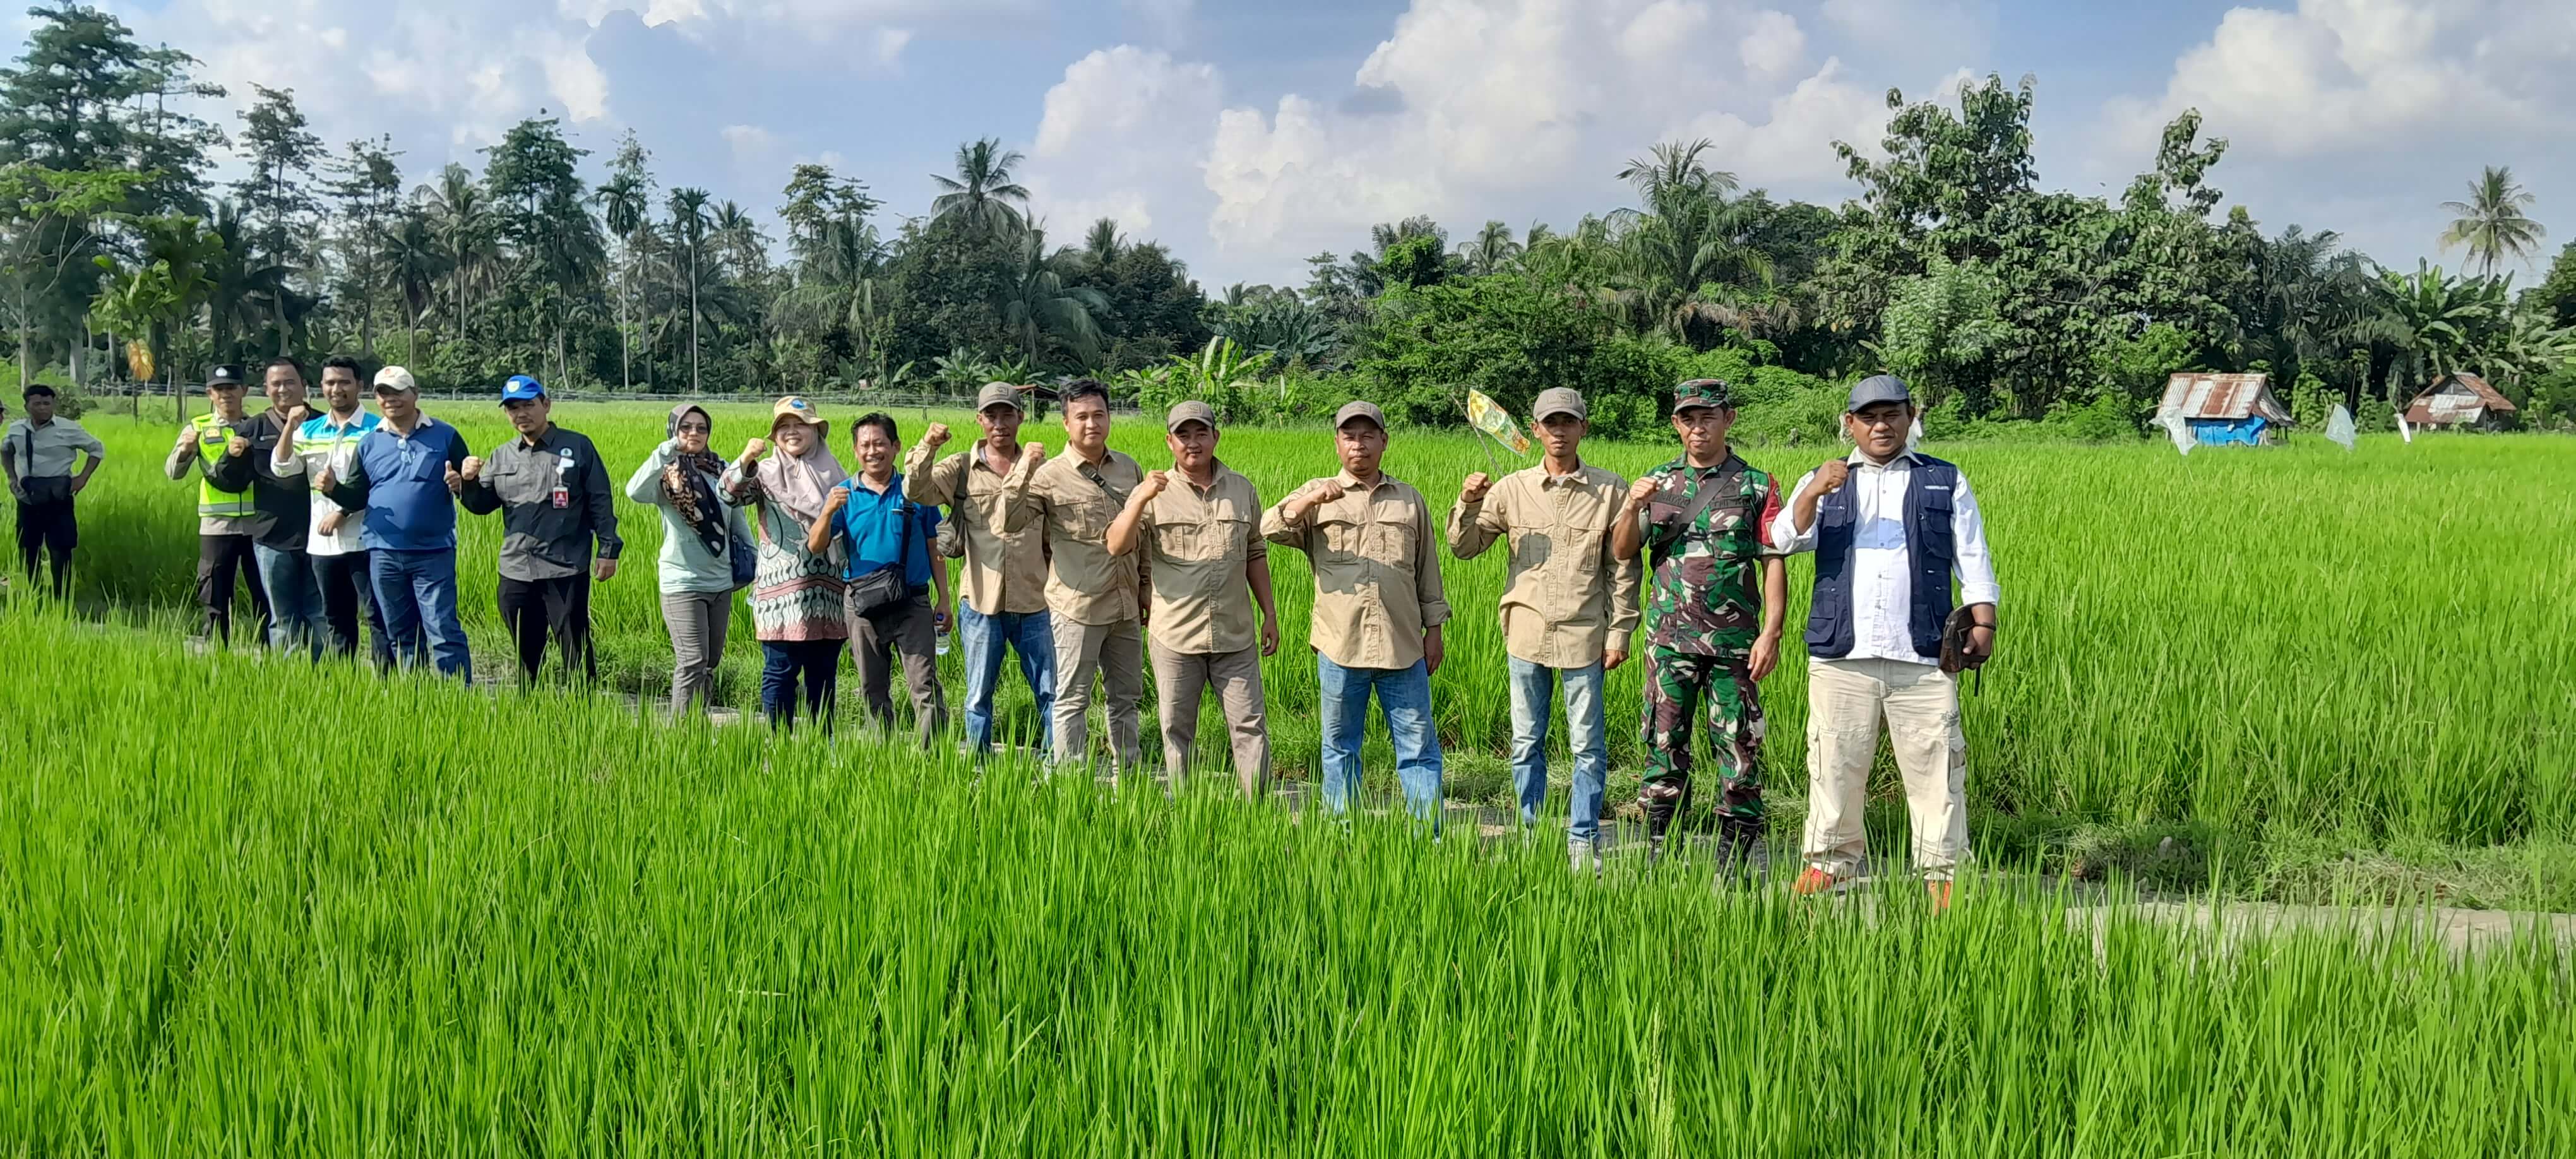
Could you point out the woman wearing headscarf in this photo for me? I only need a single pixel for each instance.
(698, 535)
(796, 594)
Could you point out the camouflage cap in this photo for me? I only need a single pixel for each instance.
(1712, 393)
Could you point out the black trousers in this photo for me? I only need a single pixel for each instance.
(535, 609)
(219, 558)
(48, 529)
(347, 593)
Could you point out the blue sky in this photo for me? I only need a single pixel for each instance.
(1248, 135)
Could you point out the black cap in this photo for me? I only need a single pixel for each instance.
(227, 374)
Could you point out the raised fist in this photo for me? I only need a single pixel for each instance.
(324, 479)
(295, 415)
(187, 437)
(1475, 488)
(838, 499)
(1035, 451)
(1643, 489)
(936, 437)
(754, 449)
(234, 446)
(455, 482)
(1831, 475)
(473, 470)
(1155, 482)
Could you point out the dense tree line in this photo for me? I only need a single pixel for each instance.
(1999, 298)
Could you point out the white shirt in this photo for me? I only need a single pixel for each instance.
(1882, 588)
(324, 440)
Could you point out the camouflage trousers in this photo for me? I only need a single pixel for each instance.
(1678, 686)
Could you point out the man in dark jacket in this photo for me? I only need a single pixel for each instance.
(281, 511)
(559, 520)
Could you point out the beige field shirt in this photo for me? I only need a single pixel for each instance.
(1377, 571)
(1006, 571)
(1202, 541)
(1566, 600)
(1071, 501)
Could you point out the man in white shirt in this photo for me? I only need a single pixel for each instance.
(38, 452)
(335, 548)
(1892, 528)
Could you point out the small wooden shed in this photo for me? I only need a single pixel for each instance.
(2225, 409)
(2461, 402)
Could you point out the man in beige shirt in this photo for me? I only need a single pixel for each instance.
(1097, 601)
(1378, 608)
(1569, 605)
(1199, 525)
(1005, 570)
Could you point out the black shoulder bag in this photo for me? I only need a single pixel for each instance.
(886, 586)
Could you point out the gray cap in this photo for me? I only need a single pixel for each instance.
(1878, 388)
(1558, 400)
(1359, 410)
(1192, 411)
(998, 394)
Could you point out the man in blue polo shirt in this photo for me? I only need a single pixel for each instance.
(405, 477)
(882, 535)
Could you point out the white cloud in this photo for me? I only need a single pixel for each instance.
(890, 44)
(1122, 136)
(1774, 45)
(2362, 115)
(1793, 146)
(1521, 108)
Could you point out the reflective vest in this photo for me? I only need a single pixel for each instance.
(212, 435)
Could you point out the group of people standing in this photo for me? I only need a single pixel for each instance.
(1084, 567)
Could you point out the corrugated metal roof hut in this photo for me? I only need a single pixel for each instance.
(2225, 409)
(2461, 401)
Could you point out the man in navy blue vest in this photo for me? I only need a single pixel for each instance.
(1891, 529)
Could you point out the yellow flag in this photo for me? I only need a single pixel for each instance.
(1492, 419)
(138, 360)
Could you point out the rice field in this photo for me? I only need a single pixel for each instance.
(250, 910)
(253, 908)
(2368, 643)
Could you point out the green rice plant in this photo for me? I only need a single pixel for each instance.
(342, 916)
(2363, 642)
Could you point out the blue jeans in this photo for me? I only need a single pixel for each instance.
(783, 663)
(294, 600)
(1404, 696)
(416, 591)
(1531, 684)
(1032, 635)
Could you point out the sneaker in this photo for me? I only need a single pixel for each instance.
(1582, 855)
(1813, 882)
(1940, 894)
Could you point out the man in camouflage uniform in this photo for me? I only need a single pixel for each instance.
(1705, 520)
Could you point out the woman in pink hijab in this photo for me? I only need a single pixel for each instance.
(796, 594)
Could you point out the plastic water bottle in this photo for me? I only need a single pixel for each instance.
(942, 634)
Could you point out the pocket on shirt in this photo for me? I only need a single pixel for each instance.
(1341, 536)
(1397, 542)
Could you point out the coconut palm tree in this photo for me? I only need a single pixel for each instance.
(739, 234)
(413, 262)
(689, 223)
(2491, 224)
(1103, 244)
(1491, 251)
(624, 202)
(982, 194)
(467, 232)
(1035, 302)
